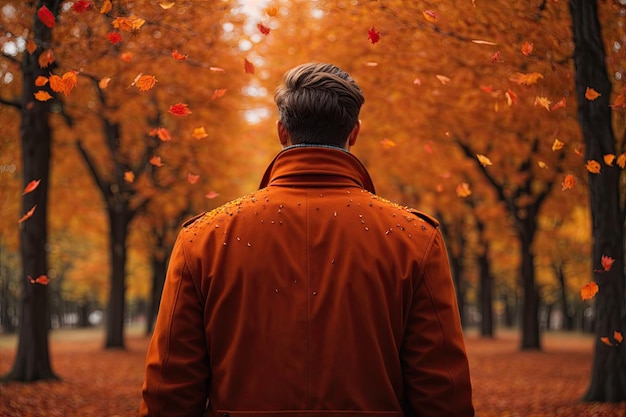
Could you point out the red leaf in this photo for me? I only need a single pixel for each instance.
(373, 35)
(41, 279)
(179, 109)
(156, 161)
(607, 262)
(46, 16)
(496, 57)
(263, 29)
(192, 178)
(114, 37)
(248, 67)
(560, 104)
(28, 215)
(81, 6)
(178, 56)
(31, 186)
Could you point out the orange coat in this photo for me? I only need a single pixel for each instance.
(311, 293)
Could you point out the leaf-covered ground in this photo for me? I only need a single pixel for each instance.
(507, 382)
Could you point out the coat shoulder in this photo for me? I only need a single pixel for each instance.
(424, 217)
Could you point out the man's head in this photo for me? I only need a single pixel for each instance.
(318, 104)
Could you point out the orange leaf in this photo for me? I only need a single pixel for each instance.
(41, 81)
(156, 161)
(31, 186)
(430, 16)
(606, 341)
(511, 97)
(145, 82)
(126, 56)
(593, 166)
(579, 150)
(218, 93)
(443, 79)
(387, 143)
(591, 94)
(179, 109)
(271, 11)
(70, 79)
(487, 88)
(178, 56)
(248, 67)
(621, 160)
(607, 262)
(46, 58)
(31, 46)
(263, 29)
(106, 7)
(56, 84)
(28, 215)
(560, 104)
(526, 79)
(104, 83)
(589, 290)
(162, 133)
(484, 161)
(199, 133)
(42, 95)
(527, 48)
(542, 164)
(568, 182)
(373, 35)
(609, 158)
(192, 178)
(543, 102)
(557, 145)
(618, 336)
(46, 16)
(463, 190)
(129, 176)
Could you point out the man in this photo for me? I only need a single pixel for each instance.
(312, 296)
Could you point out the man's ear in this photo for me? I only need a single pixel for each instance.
(354, 134)
(283, 135)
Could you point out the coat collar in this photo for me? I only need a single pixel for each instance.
(316, 166)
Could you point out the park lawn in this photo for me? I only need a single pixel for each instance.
(506, 381)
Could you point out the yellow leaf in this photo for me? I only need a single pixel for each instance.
(106, 7)
(526, 79)
(589, 290)
(443, 79)
(608, 159)
(543, 102)
(542, 164)
(199, 133)
(42, 95)
(167, 5)
(557, 145)
(593, 166)
(484, 161)
(463, 190)
(591, 94)
(271, 11)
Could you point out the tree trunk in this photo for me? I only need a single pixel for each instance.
(608, 375)
(530, 306)
(568, 318)
(486, 297)
(159, 269)
(32, 360)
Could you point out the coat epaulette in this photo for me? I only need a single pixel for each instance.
(193, 219)
(429, 219)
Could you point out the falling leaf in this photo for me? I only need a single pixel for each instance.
(104, 83)
(56, 84)
(607, 262)
(558, 105)
(128, 24)
(618, 336)
(199, 133)
(178, 56)
(114, 37)
(593, 166)
(387, 143)
(81, 6)
(145, 82)
(487, 88)
(46, 58)
(41, 279)
(484, 161)
(192, 178)
(542, 164)
(481, 42)
(527, 48)
(46, 16)
(463, 190)
(609, 158)
(106, 7)
(129, 177)
(511, 97)
(526, 79)
(218, 93)
(211, 195)
(543, 102)
(429, 147)
(443, 79)
(179, 109)
(589, 290)
(495, 57)
(557, 145)
(621, 161)
(162, 133)
(126, 56)
(373, 35)
(263, 29)
(70, 79)
(620, 102)
(606, 341)
(167, 5)
(156, 161)
(217, 69)
(591, 94)
(41, 81)
(42, 95)
(248, 67)
(28, 215)
(579, 150)
(271, 11)
(568, 182)
(31, 46)
(31, 186)
(430, 16)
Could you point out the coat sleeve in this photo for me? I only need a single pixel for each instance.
(434, 360)
(177, 371)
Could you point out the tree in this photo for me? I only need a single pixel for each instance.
(32, 360)
(608, 376)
